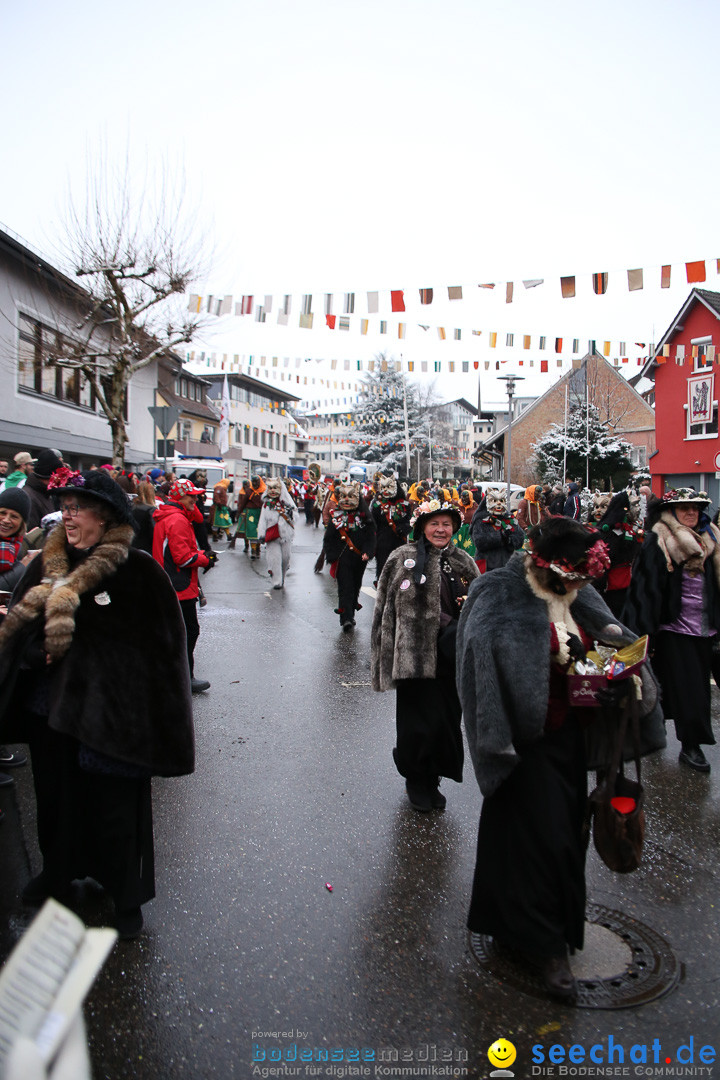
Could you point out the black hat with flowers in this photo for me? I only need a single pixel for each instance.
(95, 485)
(568, 549)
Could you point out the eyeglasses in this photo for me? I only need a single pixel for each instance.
(72, 509)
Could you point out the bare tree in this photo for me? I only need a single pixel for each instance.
(604, 391)
(136, 253)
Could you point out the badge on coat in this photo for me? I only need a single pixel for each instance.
(102, 599)
(405, 584)
(409, 563)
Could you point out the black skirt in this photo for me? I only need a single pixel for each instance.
(429, 736)
(529, 884)
(682, 663)
(91, 825)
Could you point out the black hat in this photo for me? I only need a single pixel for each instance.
(14, 498)
(46, 463)
(568, 548)
(96, 484)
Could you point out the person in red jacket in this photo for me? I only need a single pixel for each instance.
(175, 548)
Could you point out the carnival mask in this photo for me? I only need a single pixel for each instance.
(348, 496)
(387, 487)
(600, 503)
(496, 501)
(634, 509)
(274, 487)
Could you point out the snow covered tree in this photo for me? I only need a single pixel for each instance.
(136, 255)
(379, 428)
(587, 442)
(379, 425)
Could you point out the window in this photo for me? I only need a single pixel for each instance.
(702, 360)
(183, 388)
(37, 371)
(638, 456)
(707, 430)
(255, 436)
(263, 438)
(184, 430)
(246, 436)
(285, 443)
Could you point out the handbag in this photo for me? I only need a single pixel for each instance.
(616, 806)
(272, 533)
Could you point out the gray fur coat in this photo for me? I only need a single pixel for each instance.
(406, 621)
(503, 668)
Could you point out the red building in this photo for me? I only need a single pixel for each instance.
(686, 407)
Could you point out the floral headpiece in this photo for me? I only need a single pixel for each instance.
(65, 477)
(686, 495)
(432, 506)
(594, 563)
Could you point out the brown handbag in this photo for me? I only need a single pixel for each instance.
(618, 836)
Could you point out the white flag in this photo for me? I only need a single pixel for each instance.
(225, 418)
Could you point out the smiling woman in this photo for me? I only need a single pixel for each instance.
(420, 595)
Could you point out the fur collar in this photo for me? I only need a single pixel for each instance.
(686, 548)
(58, 594)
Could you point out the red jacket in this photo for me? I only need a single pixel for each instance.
(175, 547)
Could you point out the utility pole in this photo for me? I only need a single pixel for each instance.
(407, 431)
(509, 381)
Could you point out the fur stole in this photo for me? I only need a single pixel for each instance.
(58, 594)
(686, 548)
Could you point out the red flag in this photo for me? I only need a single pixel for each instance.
(397, 299)
(330, 320)
(475, 364)
(543, 365)
(665, 277)
(695, 271)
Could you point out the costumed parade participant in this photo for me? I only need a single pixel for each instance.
(463, 537)
(619, 528)
(253, 506)
(175, 547)
(674, 595)
(420, 595)
(220, 520)
(348, 544)
(241, 515)
(276, 529)
(391, 513)
(494, 531)
(519, 631)
(92, 678)
(531, 508)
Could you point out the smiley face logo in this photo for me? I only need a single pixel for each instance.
(502, 1054)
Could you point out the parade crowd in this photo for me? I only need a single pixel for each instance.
(482, 610)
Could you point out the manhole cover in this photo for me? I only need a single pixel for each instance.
(646, 966)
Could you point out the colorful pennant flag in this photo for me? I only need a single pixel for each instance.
(567, 287)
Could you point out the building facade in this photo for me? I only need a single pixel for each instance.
(686, 398)
(262, 427)
(42, 404)
(592, 379)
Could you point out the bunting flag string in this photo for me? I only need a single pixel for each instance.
(637, 279)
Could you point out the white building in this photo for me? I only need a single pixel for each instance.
(43, 405)
(330, 432)
(262, 428)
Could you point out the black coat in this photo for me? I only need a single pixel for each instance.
(363, 536)
(655, 594)
(495, 545)
(123, 686)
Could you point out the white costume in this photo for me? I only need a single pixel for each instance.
(277, 510)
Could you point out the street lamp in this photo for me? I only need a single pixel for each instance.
(509, 381)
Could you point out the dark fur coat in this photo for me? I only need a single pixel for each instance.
(123, 685)
(503, 668)
(406, 622)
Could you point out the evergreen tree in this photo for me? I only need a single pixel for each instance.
(587, 440)
(379, 428)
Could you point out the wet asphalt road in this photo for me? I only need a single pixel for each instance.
(246, 949)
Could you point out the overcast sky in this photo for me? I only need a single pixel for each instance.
(335, 146)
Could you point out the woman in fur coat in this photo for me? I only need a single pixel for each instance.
(674, 595)
(276, 529)
(520, 628)
(89, 613)
(420, 595)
